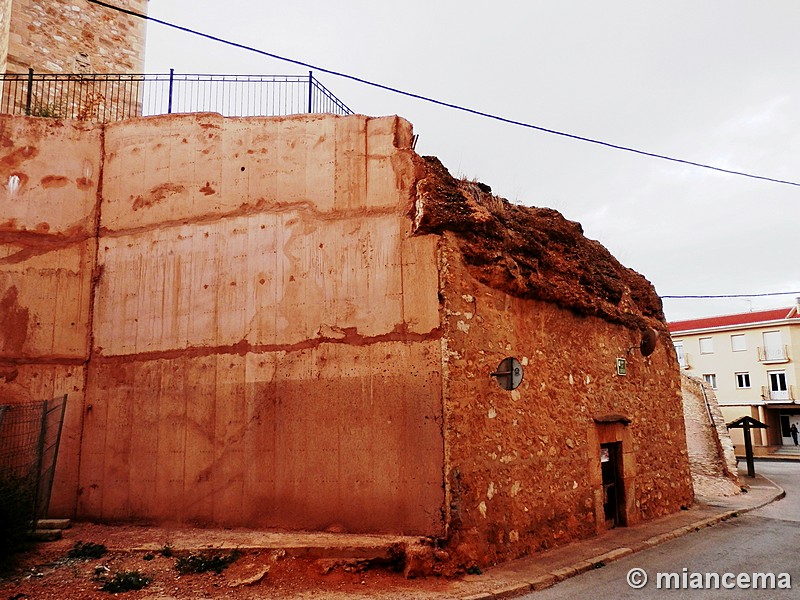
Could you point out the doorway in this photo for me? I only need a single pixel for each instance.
(787, 420)
(613, 487)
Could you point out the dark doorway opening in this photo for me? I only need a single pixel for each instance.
(613, 488)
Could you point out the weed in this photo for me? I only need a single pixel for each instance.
(47, 109)
(149, 556)
(166, 551)
(202, 563)
(125, 581)
(100, 573)
(90, 106)
(474, 570)
(87, 550)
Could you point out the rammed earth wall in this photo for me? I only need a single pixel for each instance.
(523, 467)
(292, 322)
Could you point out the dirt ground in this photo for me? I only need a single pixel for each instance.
(46, 571)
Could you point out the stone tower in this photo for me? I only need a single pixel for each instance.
(71, 36)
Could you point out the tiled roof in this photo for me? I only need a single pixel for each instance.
(760, 316)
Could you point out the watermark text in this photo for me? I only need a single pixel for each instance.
(692, 580)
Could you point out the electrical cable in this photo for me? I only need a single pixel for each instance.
(440, 102)
(731, 295)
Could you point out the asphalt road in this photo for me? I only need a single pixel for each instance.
(762, 541)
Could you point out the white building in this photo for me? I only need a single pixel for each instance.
(751, 360)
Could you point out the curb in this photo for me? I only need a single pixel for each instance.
(596, 562)
(781, 494)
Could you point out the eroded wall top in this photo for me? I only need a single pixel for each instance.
(533, 252)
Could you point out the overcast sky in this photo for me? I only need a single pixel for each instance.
(709, 81)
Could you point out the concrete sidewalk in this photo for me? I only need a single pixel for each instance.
(544, 569)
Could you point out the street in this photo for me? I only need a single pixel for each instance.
(766, 540)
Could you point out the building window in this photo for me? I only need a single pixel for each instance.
(706, 346)
(773, 346)
(711, 379)
(681, 355)
(739, 343)
(778, 390)
(742, 380)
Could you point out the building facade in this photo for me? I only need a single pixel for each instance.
(750, 360)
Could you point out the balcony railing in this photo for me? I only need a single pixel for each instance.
(770, 395)
(105, 98)
(773, 354)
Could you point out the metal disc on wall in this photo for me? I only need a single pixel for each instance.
(648, 343)
(509, 373)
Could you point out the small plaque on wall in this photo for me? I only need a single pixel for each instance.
(622, 366)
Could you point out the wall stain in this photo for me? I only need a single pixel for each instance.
(347, 336)
(17, 157)
(54, 181)
(156, 195)
(207, 189)
(14, 320)
(31, 244)
(23, 178)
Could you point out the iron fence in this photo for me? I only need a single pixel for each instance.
(112, 97)
(29, 439)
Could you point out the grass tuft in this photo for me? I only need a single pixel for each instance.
(126, 581)
(202, 563)
(87, 550)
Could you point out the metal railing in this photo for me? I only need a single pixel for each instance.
(29, 440)
(105, 98)
(773, 353)
(770, 395)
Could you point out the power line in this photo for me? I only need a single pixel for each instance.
(440, 102)
(731, 295)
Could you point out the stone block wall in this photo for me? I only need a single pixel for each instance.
(5, 23)
(64, 36)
